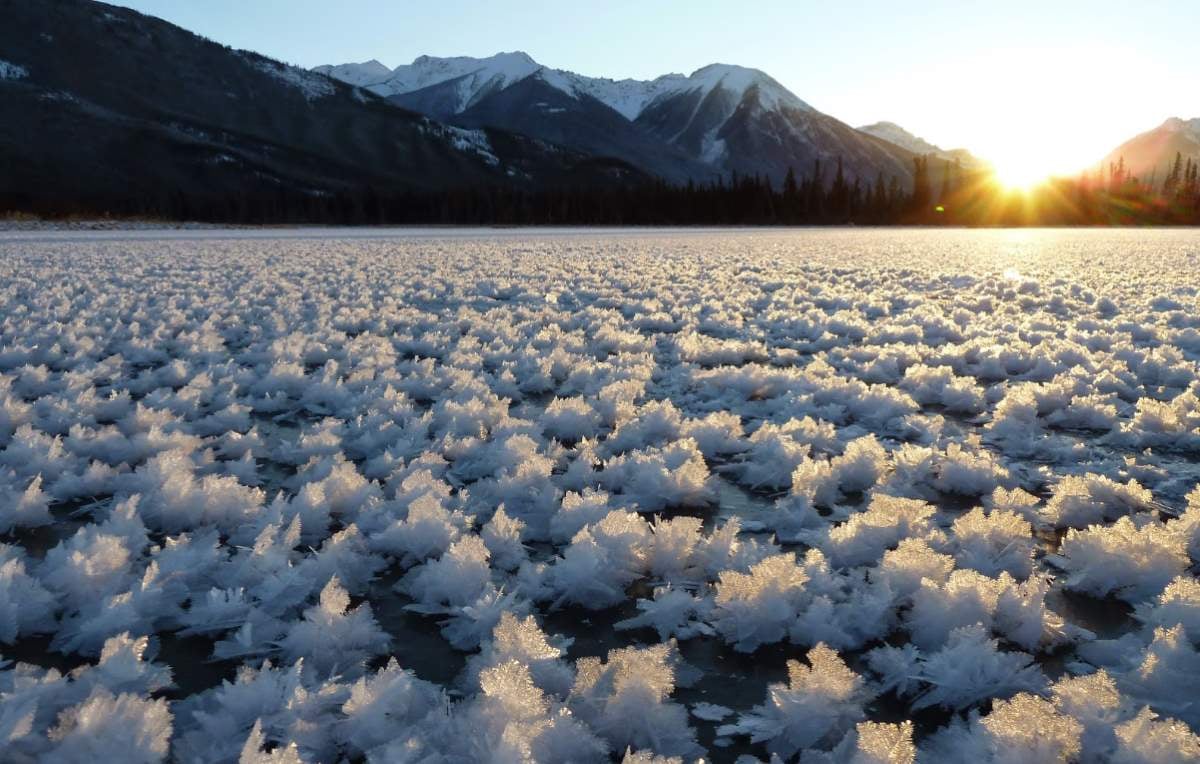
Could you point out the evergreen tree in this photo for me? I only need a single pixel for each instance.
(816, 194)
(855, 208)
(791, 197)
(879, 200)
(1116, 178)
(895, 199)
(839, 196)
(947, 183)
(1174, 176)
(922, 195)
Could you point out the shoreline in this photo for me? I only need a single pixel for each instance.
(133, 225)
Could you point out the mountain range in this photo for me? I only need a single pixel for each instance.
(720, 119)
(103, 104)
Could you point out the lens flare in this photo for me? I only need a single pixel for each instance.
(1018, 173)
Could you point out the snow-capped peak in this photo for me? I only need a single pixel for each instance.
(512, 61)
(363, 75)
(629, 97)
(739, 79)
(430, 70)
(479, 74)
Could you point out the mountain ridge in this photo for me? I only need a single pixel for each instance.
(627, 96)
(719, 120)
(1152, 153)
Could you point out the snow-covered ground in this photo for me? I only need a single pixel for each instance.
(842, 496)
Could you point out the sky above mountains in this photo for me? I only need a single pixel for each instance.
(1036, 84)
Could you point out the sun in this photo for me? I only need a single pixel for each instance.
(1019, 173)
(1012, 110)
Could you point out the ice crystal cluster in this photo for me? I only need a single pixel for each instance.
(584, 497)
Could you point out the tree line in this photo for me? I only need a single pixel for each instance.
(941, 193)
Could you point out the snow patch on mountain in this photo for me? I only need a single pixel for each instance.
(10, 71)
(472, 141)
(627, 97)
(312, 86)
(464, 140)
(712, 148)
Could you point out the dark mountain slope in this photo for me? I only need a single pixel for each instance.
(107, 105)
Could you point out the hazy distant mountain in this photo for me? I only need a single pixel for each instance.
(1155, 150)
(106, 104)
(719, 119)
(893, 133)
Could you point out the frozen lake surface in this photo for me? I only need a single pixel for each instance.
(453, 495)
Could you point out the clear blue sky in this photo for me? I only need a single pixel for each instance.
(991, 76)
